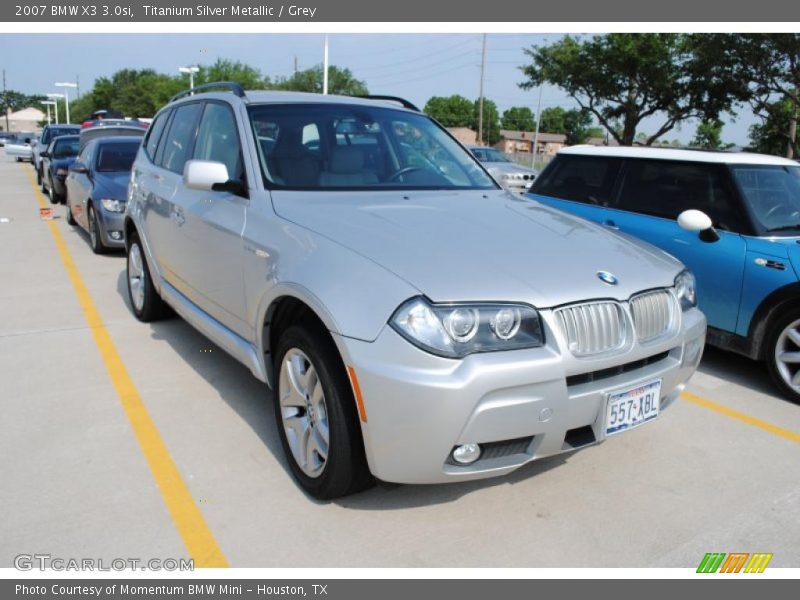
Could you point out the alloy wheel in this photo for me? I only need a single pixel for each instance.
(787, 355)
(136, 276)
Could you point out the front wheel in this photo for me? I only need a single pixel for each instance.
(39, 177)
(146, 303)
(316, 415)
(94, 232)
(70, 218)
(783, 354)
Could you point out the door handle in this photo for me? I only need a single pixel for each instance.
(610, 224)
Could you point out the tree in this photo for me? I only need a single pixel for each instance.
(224, 69)
(709, 136)
(491, 121)
(552, 120)
(771, 136)
(624, 78)
(518, 118)
(340, 81)
(576, 124)
(450, 111)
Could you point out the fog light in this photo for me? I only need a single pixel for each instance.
(467, 454)
(115, 235)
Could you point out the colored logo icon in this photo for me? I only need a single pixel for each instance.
(736, 562)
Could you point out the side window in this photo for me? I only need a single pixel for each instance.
(587, 179)
(154, 133)
(179, 140)
(218, 139)
(665, 189)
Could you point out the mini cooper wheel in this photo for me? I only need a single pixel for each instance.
(782, 354)
(316, 415)
(147, 305)
(94, 232)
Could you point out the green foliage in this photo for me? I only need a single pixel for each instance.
(623, 78)
(518, 118)
(576, 124)
(772, 135)
(709, 136)
(450, 111)
(14, 101)
(340, 81)
(224, 69)
(491, 121)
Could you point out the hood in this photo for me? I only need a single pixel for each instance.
(480, 246)
(112, 185)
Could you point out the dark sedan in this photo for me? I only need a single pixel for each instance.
(56, 160)
(97, 189)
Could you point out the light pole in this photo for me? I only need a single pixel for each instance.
(325, 68)
(48, 103)
(55, 97)
(66, 94)
(191, 71)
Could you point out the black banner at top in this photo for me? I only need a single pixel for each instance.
(443, 11)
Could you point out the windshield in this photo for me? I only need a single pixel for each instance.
(490, 155)
(116, 157)
(64, 147)
(773, 193)
(54, 132)
(329, 146)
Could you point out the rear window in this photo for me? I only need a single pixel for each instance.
(62, 148)
(588, 179)
(117, 157)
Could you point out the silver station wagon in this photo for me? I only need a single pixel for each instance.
(416, 322)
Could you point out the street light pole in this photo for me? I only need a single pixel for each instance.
(535, 147)
(55, 97)
(325, 68)
(191, 71)
(48, 104)
(66, 94)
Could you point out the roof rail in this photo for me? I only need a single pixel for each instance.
(230, 85)
(402, 101)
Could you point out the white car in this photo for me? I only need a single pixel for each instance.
(512, 176)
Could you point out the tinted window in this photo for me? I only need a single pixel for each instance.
(773, 193)
(154, 133)
(218, 139)
(665, 189)
(178, 142)
(116, 157)
(53, 132)
(65, 146)
(347, 146)
(588, 179)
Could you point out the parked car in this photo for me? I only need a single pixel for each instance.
(746, 256)
(97, 189)
(415, 326)
(20, 146)
(512, 176)
(4, 137)
(110, 128)
(40, 144)
(56, 160)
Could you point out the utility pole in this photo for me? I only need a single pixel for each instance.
(78, 86)
(295, 64)
(325, 68)
(480, 95)
(535, 147)
(5, 98)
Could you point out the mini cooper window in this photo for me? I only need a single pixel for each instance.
(773, 194)
(329, 146)
(585, 179)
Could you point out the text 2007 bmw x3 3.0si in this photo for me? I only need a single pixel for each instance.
(417, 323)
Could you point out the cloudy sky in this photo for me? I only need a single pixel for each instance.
(415, 66)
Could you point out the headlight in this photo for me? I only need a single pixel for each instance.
(112, 205)
(686, 290)
(456, 330)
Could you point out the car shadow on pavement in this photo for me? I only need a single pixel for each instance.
(739, 370)
(252, 401)
(81, 233)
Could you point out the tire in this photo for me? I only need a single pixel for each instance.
(39, 178)
(150, 307)
(783, 340)
(323, 402)
(95, 240)
(51, 194)
(70, 218)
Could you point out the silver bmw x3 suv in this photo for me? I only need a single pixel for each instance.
(416, 323)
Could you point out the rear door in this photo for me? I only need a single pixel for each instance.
(652, 195)
(210, 224)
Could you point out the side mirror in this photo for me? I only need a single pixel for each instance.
(204, 174)
(44, 154)
(699, 222)
(78, 168)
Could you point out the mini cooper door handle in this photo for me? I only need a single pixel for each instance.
(610, 224)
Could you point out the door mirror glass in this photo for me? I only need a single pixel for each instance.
(696, 221)
(204, 174)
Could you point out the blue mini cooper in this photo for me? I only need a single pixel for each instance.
(732, 218)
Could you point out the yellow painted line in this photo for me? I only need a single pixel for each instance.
(740, 416)
(186, 515)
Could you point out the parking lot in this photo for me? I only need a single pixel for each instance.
(120, 439)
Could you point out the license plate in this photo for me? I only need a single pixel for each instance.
(633, 407)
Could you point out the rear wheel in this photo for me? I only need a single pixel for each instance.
(54, 197)
(39, 178)
(783, 353)
(146, 303)
(316, 415)
(70, 218)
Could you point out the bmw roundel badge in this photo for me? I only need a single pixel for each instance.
(607, 277)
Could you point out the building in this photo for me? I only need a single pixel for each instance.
(601, 141)
(465, 135)
(516, 142)
(27, 119)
